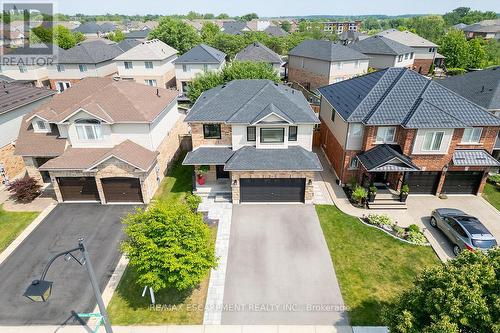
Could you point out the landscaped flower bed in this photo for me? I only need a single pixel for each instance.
(411, 234)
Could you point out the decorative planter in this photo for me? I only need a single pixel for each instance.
(201, 180)
(403, 197)
(371, 196)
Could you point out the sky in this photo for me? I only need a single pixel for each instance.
(267, 8)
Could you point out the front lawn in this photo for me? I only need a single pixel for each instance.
(128, 307)
(492, 194)
(12, 224)
(372, 267)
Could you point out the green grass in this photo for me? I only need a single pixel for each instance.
(12, 224)
(492, 194)
(372, 267)
(128, 307)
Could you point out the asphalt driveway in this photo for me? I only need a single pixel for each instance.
(279, 269)
(100, 226)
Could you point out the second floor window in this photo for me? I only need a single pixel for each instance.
(88, 129)
(472, 135)
(251, 133)
(148, 64)
(272, 135)
(128, 65)
(432, 141)
(400, 58)
(292, 133)
(151, 83)
(211, 131)
(60, 68)
(184, 68)
(407, 55)
(411, 55)
(385, 134)
(82, 67)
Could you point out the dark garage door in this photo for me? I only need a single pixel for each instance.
(272, 189)
(122, 189)
(425, 182)
(78, 188)
(462, 182)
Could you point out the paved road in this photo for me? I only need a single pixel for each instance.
(101, 227)
(278, 265)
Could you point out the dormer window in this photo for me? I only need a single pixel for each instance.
(88, 129)
(41, 126)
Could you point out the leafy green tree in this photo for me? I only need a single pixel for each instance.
(202, 82)
(428, 27)
(492, 49)
(222, 16)
(208, 31)
(64, 38)
(286, 25)
(249, 17)
(461, 295)
(194, 15)
(169, 245)
(208, 16)
(116, 36)
(43, 35)
(454, 48)
(176, 33)
(477, 53)
(467, 16)
(80, 37)
(229, 44)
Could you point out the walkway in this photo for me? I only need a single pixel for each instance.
(46, 199)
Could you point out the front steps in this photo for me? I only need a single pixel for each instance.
(387, 201)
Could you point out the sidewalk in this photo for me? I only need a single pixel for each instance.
(46, 199)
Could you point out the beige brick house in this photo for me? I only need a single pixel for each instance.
(103, 140)
(255, 139)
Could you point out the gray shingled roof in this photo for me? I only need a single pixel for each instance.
(201, 54)
(274, 30)
(258, 52)
(127, 44)
(30, 55)
(88, 28)
(326, 50)
(243, 101)
(138, 34)
(92, 52)
(208, 156)
(473, 157)
(481, 87)
(380, 45)
(294, 158)
(386, 157)
(233, 27)
(399, 96)
(15, 95)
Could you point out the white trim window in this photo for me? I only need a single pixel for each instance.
(472, 135)
(128, 64)
(353, 163)
(150, 82)
(41, 126)
(62, 85)
(386, 135)
(184, 68)
(400, 58)
(148, 64)
(82, 67)
(433, 141)
(88, 129)
(60, 68)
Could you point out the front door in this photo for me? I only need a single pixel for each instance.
(380, 177)
(221, 174)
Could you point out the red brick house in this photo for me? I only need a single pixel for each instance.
(395, 126)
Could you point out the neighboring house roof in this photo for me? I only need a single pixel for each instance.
(138, 34)
(88, 158)
(201, 53)
(380, 45)
(400, 96)
(491, 26)
(15, 95)
(325, 50)
(386, 158)
(109, 100)
(153, 49)
(258, 52)
(248, 101)
(92, 52)
(460, 26)
(235, 27)
(474, 157)
(30, 55)
(108, 27)
(8, 79)
(406, 38)
(208, 156)
(274, 30)
(29, 143)
(127, 44)
(88, 28)
(481, 87)
(293, 158)
(351, 35)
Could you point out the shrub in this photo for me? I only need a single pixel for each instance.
(405, 189)
(352, 183)
(193, 200)
(413, 228)
(416, 237)
(203, 169)
(25, 189)
(494, 179)
(400, 232)
(373, 189)
(379, 220)
(455, 71)
(359, 194)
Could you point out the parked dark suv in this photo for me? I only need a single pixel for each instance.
(464, 231)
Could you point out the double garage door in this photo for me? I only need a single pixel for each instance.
(456, 182)
(115, 189)
(272, 189)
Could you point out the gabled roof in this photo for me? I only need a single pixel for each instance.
(274, 30)
(201, 54)
(88, 28)
(30, 55)
(473, 157)
(138, 34)
(351, 35)
(399, 96)
(380, 45)
(153, 49)
(406, 38)
(92, 52)
(234, 27)
(30, 143)
(15, 95)
(241, 101)
(127, 44)
(481, 87)
(384, 157)
(258, 52)
(491, 26)
(326, 50)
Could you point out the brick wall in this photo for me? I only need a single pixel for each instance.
(13, 164)
(422, 66)
(199, 140)
(307, 79)
(170, 147)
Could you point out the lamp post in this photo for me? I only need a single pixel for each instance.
(40, 290)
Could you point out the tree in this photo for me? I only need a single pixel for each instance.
(24, 189)
(222, 16)
(176, 33)
(454, 48)
(234, 71)
(428, 27)
(229, 44)
(467, 16)
(80, 37)
(64, 38)
(476, 53)
(208, 16)
(461, 295)
(43, 35)
(249, 17)
(492, 49)
(286, 25)
(169, 246)
(116, 36)
(194, 15)
(208, 31)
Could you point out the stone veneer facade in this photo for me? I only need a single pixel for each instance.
(307, 79)
(12, 164)
(199, 140)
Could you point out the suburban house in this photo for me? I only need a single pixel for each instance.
(92, 30)
(235, 27)
(141, 35)
(102, 140)
(87, 59)
(481, 87)
(199, 59)
(316, 63)
(252, 142)
(395, 127)
(12, 38)
(385, 52)
(260, 53)
(16, 100)
(425, 51)
(487, 29)
(275, 31)
(339, 27)
(351, 36)
(150, 62)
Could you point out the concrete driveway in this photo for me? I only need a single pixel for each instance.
(279, 269)
(420, 208)
(101, 227)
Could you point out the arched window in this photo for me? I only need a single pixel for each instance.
(88, 129)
